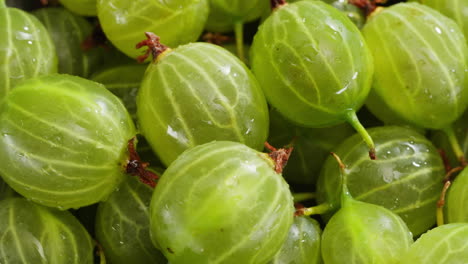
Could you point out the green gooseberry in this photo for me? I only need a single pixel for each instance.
(81, 7)
(313, 65)
(354, 13)
(31, 233)
(311, 147)
(68, 31)
(26, 49)
(302, 244)
(445, 244)
(176, 21)
(364, 233)
(197, 93)
(456, 203)
(221, 202)
(63, 140)
(454, 9)
(421, 60)
(122, 225)
(407, 178)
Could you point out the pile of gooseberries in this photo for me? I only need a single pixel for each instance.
(241, 131)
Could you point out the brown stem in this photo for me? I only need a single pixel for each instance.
(136, 167)
(448, 179)
(450, 173)
(154, 47)
(275, 4)
(441, 201)
(279, 156)
(463, 161)
(445, 160)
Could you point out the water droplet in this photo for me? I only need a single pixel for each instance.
(438, 30)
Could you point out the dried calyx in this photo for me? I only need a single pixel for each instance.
(279, 156)
(154, 47)
(136, 167)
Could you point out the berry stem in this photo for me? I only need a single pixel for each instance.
(441, 203)
(300, 197)
(154, 47)
(345, 194)
(352, 119)
(279, 156)
(314, 210)
(448, 179)
(239, 32)
(445, 160)
(136, 167)
(453, 140)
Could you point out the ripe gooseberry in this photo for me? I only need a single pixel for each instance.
(122, 225)
(176, 21)
(197, 93)
(221, 202)
(445, 244)
(31, 233)
(313, 65)
(454, 9)
(302, 244)
(421, 72)
(363, 233)
(26, 49)
(407, 178)
(63, 140)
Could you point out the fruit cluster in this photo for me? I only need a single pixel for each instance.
(329, 131)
